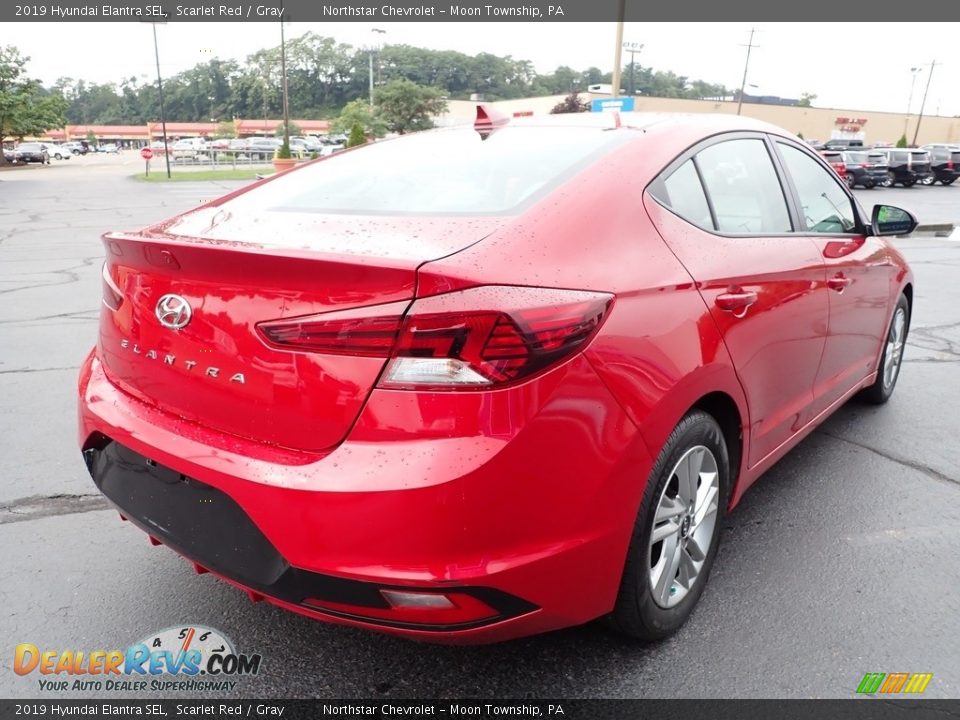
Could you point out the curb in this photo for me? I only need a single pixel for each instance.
(936, 227)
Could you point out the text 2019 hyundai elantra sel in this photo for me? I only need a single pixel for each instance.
(482, 382)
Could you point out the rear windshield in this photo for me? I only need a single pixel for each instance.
(448, 172)
(856, 157)
(899, 156)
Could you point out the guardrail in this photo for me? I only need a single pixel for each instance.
(224, 158)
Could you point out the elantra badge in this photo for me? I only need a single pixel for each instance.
(173, 311)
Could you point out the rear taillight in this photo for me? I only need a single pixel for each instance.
(949, 164)
(112, 295)
(478, 338)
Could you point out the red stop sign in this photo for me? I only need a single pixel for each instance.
(146, 153)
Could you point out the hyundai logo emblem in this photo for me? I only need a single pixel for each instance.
(173, 312)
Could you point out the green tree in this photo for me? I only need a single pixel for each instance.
(406, 106)
(294, 130)
(225, 129)
(571, 104)
(25, 107)
(356, 136)
(806, 100)
(359, 112)
(902, 142)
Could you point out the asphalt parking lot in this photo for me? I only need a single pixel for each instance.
(842, 560)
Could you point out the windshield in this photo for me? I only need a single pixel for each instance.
(448, 172)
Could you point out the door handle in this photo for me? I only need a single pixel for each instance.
(839, 283)
(736, 301)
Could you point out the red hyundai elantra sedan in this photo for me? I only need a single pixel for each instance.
(477, 383)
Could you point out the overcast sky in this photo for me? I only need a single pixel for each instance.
(791, 58)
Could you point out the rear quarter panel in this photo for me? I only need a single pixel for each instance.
(659, 350)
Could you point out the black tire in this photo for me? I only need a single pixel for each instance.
(909, 183)
(850, 180)
(948, 181)
(636, 612)
(880, 391)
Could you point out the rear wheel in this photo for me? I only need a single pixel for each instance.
(851, 181)
(892, 356)
(949, 181)
(676, 533)
(888, 181)
(908, 183)
(928, 180)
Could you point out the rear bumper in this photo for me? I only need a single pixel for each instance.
(532, 516)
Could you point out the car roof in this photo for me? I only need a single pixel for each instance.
(709, 122)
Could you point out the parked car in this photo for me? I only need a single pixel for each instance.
(263, 147)
(57, 152)
(219, 144)
(77, 147)
(866, 168)
(299, 148)
(399, 389)
(836, 144)
(110, 148)
(158, 147)
(31, 152)
(907, 166)
(310, 143)
(835, 159)
(945, 162)
(330, 148)
(189, 148)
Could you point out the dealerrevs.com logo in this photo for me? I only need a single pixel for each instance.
(190, 658)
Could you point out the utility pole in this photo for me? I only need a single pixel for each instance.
(632, 48)
(163, 115)
(923, 102)
(913, 83)
(617, 56)
(743, 83)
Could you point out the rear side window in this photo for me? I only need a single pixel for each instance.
(447, 172)
(743, 187)
(683, 193)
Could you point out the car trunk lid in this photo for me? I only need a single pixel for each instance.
(215, 370)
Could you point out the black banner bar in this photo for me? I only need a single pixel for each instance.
(468, 11)
(866, 708)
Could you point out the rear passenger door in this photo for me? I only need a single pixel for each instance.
(729, 223)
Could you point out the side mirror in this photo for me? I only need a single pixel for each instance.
(890, 220)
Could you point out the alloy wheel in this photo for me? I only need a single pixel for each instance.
(683, 526)
(894, 353)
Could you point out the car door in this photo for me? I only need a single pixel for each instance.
(762, 284)
(859, 271)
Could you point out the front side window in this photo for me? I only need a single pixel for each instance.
(825, 206)
(743, 187)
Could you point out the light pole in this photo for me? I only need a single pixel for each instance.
(283, 70)
(914, 71)
(163, 115)
(374, 47)
(632, 48)
(618, 49)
